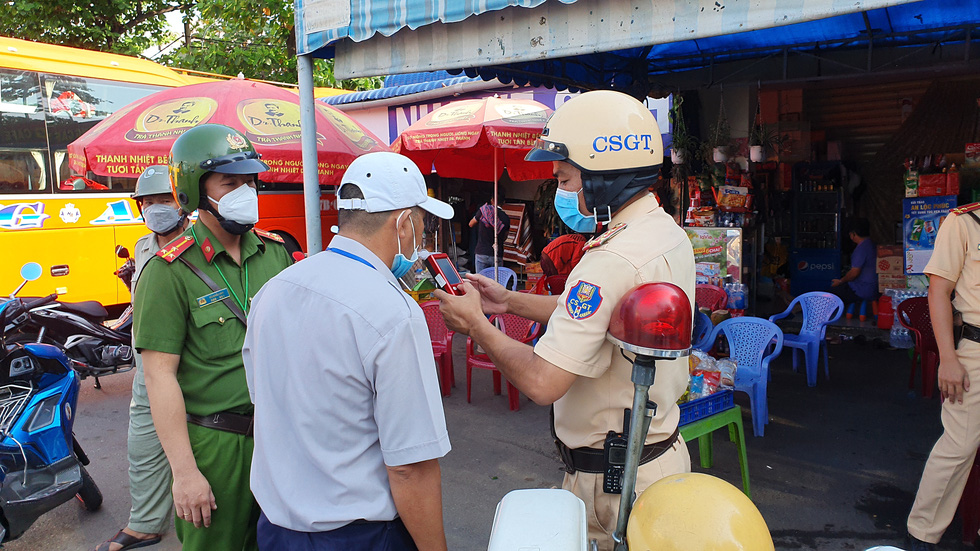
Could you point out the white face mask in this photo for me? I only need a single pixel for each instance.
(240, 205)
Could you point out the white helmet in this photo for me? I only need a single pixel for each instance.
(613, 139)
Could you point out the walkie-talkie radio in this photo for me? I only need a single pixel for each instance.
(614, 453)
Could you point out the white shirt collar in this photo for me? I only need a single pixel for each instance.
(355, 247)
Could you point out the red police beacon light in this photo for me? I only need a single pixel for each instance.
(653, 319)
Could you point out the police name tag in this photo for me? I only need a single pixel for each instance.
(216, 296)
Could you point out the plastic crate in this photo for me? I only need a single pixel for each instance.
(703, 407)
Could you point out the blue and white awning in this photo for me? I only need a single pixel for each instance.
(370, 37)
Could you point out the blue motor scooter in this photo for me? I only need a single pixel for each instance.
(41, 462)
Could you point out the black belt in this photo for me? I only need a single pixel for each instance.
(225, 421)
(591, 460)
(971, 332)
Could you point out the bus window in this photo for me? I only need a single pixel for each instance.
(76, 104)
(23, 145)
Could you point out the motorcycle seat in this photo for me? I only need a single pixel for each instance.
(88, 308)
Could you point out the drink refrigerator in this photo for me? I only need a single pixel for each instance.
(815, 248)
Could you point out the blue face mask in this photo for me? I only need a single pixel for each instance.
(566, 203)
(402, 265)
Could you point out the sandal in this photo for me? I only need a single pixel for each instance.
(128, 542)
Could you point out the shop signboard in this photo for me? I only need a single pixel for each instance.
(921, 218)
(717, 254)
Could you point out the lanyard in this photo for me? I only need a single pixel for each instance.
(234, 295)
(353, 256)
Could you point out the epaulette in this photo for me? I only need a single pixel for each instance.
(268, 235)
(171, 251)
(965, 208)
(604, 238)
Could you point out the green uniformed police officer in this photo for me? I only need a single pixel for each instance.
(189, 321)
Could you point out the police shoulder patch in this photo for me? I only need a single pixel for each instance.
(583, 300)
(171, 251)
(965, 208)
(604, 238)
(268, 235)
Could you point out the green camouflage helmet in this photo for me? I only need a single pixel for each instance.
(153, 181)
(208, 148)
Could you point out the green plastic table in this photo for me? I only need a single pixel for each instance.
(702, 429)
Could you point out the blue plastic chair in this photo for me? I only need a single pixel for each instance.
(753, 343)
(702, 328)
(505, 276)
(819, 310)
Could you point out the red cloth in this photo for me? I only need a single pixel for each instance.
(563, 253)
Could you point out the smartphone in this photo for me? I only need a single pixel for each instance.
(444, 272)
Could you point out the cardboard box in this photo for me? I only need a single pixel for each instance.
(890, 281)
(952, 183)
(932, 185)
(889, 265)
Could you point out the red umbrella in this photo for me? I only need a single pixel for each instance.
(142, 133)
(477, 139)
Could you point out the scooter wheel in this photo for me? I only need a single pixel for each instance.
(90, 496)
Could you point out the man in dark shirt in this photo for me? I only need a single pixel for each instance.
(485, 226)
(861, 281)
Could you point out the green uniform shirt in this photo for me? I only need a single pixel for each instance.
(167, 317)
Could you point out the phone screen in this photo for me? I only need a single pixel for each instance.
(448, 270)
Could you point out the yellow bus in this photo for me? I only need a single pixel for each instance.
(49, 96)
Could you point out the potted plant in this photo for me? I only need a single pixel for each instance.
(681, 143)
(763, 138)
(721, 137)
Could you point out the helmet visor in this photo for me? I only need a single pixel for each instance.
(245, 162)
(545, 150)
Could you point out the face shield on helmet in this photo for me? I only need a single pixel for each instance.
(613, 139)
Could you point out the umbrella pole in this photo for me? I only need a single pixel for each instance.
(496, 241)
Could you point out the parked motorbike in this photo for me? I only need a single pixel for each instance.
(95, 349)
(42, 465)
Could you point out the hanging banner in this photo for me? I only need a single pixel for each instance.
(921, 218)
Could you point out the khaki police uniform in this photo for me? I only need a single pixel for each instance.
(149, 470)
(643, 245)
(957, 258)
(177, 313)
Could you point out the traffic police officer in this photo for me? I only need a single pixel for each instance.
(190, 311)
(954, 269)
(607, 151)
(149, 472)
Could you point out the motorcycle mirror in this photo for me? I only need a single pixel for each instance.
(31, 271)
(122, 252)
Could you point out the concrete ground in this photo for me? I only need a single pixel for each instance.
(837, 469)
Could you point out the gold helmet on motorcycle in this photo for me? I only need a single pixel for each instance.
(696, 511)
(612, 138)
(208, 148)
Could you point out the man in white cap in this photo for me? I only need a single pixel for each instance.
(349, 423)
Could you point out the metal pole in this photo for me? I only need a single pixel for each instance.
(644, 372)
(496, 243)
(311, 176)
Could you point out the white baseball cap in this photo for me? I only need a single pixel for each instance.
(389, 181)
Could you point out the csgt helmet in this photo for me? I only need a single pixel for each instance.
(696, 511)
(612, 138)
(208, 148)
